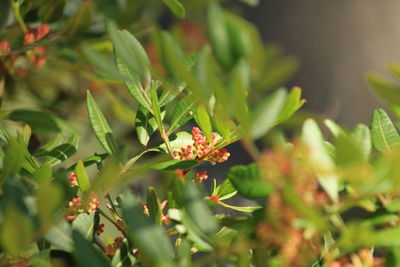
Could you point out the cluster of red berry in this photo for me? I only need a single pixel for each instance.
(80, 205)
(72, 179)
(19, 63)
(202, 150)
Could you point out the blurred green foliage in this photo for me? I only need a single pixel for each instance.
(98, 167)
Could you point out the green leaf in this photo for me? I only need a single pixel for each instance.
(84, 223)
(251, 2)
(98, 123)
(197, 209)
(60, 236)
(47, 209)
(145, 124)
(13, 160)
(130, 53)
(123, 256)
(107, 179)
(16, 231)
(148, 237)
(37, 120)
(383, 133)
(51, 11)
(206, 74)
(334, 128)
(242, 209)
(175, 164)
(348, 153)
(362, 136)
(203, 120)
(133, 83)
(226, 190)
(5, 13)
(320, 159)
(156, 107)
(82, 177)
(153, 205)
(394, 68)
(86, 254)
(178, 140)
(43, 174)
(267, 113)
(62, 152)
(182, 113)
(248, 181)
(176, 8)
(292, 104)
(387, 90)
(81, 19)
(239, 83)
(219, 37)
(102, 64)
(175, 64)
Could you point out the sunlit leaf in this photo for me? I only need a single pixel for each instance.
(176, 8)
(320, 159)
(267, 113)
(82, 177)
(183, 112)
(383, 133)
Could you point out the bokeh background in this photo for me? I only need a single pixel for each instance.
(336, 42)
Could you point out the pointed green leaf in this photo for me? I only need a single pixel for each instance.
(334, 128)
(98, 123)
(153, 205)
(60, 236)
(86, 254)
(292, 104)
(82, 177)
(267, 113)
(203, 120)
(182, 113)
(362, 136)
(320, 159)
(43, 174)
(219, 37)
(62, 152)
(130, 52)
(84, 223)
(156, 107)
(172, 165)
(248, 181)
(383, 133)
(145, 125)
(47, 209)
(154, 246)
(384, 88)
(197, 210)
(13, 160)
(102, 64)
(176, 8)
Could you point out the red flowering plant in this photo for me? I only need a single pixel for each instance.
(301, 201)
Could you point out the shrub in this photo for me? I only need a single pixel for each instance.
(312, 201)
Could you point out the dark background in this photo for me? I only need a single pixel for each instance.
(336, 42)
